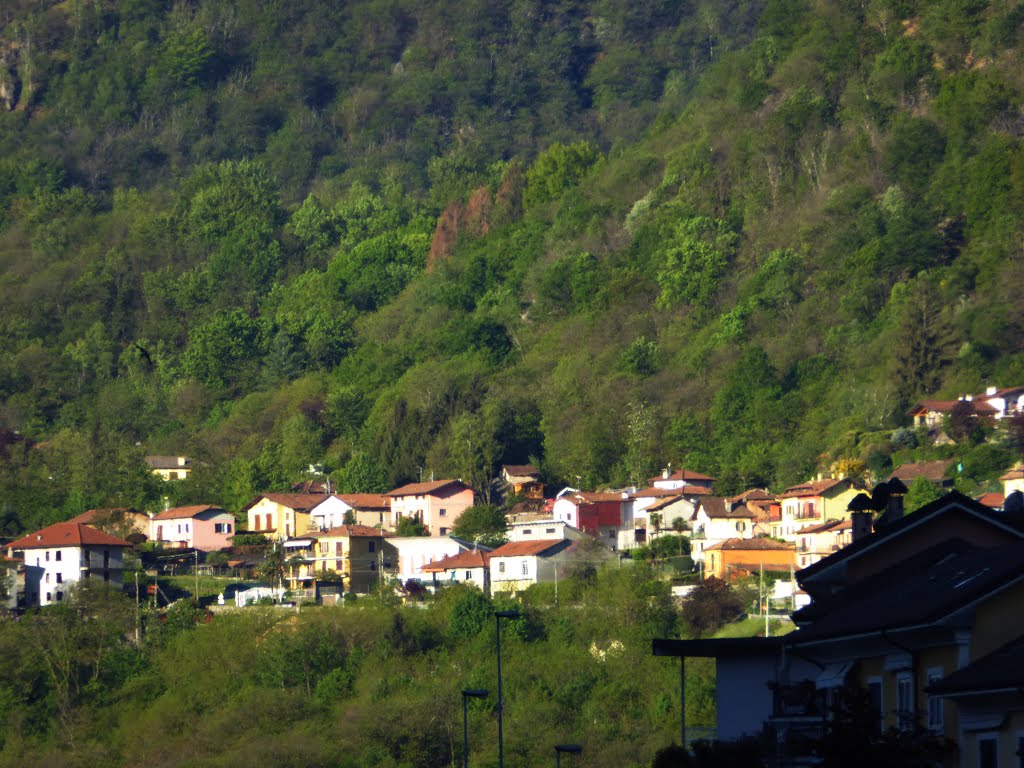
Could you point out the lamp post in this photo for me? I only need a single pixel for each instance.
(467, 694)
(498, 616)
(572, 749)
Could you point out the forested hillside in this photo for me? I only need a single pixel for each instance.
(393, 237)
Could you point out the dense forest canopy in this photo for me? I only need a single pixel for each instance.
(396, 236)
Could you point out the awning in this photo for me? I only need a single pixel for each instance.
(833, 675)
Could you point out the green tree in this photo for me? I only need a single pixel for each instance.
(694, 264)
(482, 523)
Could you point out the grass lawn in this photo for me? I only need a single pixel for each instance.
(754, 627)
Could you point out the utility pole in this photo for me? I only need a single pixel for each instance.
(196, 553)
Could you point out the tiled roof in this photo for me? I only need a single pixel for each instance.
(103, 515)
(655, 493)
(717, 507)
(921, 590)
(67, 535)
(521, 470)
(933, 471)
(992, 500)
(350, 531)
(954, 500)
(168, 462)
(834, 526)
(176, 513)
(685, 475)
(311, 486)
(753, 494)
(301, 502)
(471, 559)
(666, 502)
(1014, 474)
(753, 545)
(522, 548)
(424, 489)
(365, 500)
(812, 488)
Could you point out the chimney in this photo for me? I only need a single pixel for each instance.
(664, 474)
(861, 525)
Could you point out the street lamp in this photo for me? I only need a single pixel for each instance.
(498, 616)
(467, 694)
(571, 749)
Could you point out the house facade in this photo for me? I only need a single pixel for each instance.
(280, 516)
(60, 555)
(813, 503)
(436, 504)
(196, 527)
(815, 542)
(408, 554)
(693, 482)
(468, 567)
(601, 515)
(716, 519)
(743, 557)
(371, 509)
(170, 467)
(356, 552)
(523, 480)
(518, 565)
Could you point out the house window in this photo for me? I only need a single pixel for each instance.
(443, 513)
(526, 568)
(60, 596)
(222, 527)
(60, 579)
(527, 531)
(740, 526)
(905, 702)
(549, 530)
(373, 546)
(49, 597)
(47, 555)
(501, 566)
(988, 751)
(46, 578)
(936, 711)
(444, 531)
(56, 555)
(875, 702)
(469, 575)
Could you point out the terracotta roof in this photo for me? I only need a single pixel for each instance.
(168, 462)
(470, 559)
(103, 515)
(521, 470)
(301, 502)
(365, 500)
(716, 507)
(310, 486)
(67, 535)
(753, 494)
(992, 500)
(655, 493)
(813, 488)
(521, 548)
(176, 513)
(595, 496)
(933, 471)
(349, 531)
(424, 489)
(833, 526)
(1014, 474)
(666, 502)
(752, 545)
(684, 475)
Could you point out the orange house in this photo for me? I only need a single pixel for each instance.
(739, 557)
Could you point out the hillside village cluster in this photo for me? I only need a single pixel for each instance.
(921, 611)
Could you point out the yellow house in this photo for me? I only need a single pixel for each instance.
(813, 503)
(356, 552)
(280, 516)
(170, 467)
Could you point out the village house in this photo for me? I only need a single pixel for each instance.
(523, 480)
(814, 502)
(436, 504)
(197, 527)
(356, 552)
(715, 520)
(520, 564)
(170, 467)
(922, 615)
(817, 541)
(935, 472)
(471, 567)
(685, 481)
(668, 515)
(766, 509)
(280, 516)
(601, 515)
(121, 522)
(1013, 481)
(931, 414)
(372, 509)
(408, 554)
(541, 526)
(744, 557)
(59, 555)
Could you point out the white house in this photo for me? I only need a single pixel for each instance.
(694, 482)
(1013, 481)
(62, 554)
(470, 567)
(410, 553)
(369, 509)
(519, 564)
(544, 527)
(198, 527)
(716, 520)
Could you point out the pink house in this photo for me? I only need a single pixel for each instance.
(197, 527)
(436, 504)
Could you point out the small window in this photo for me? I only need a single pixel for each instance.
(56, 555)
(527, 531)
(443, 513)
(46, 578)
(526, 568)
(469, 575)
(905, 702)
(60, 579)
(501, 566)
(47, 555)
(936, 711)
(549, 530)
(444, 531)
(49, 597)
(741, 525)
(60, 596)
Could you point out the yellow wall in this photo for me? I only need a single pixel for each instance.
(835, 506)
(998, 621)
